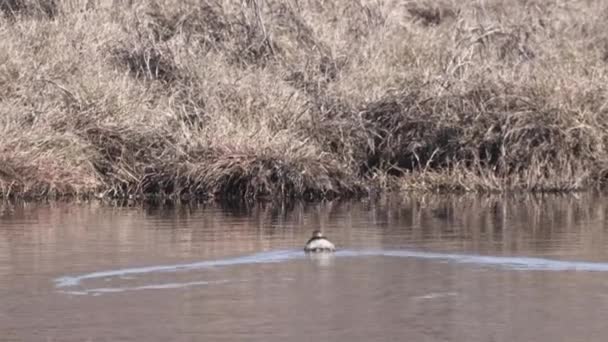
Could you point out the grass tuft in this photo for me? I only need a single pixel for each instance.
(43, 9)
(431, 13)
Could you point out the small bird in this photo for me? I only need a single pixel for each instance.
(319, 243)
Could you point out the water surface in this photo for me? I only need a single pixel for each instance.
(432, 268)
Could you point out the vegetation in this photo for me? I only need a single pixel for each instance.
(301, 98)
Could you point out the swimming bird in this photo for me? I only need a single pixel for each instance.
(319, 243)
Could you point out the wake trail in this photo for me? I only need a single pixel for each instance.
(513, 263)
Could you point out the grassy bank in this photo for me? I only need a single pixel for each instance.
(306, 99)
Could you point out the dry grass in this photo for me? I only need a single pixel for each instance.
(43, 9)
(291, 99)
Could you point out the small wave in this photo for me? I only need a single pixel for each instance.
(514, 263)
(266, 257)
(436, 295)
(102, 290)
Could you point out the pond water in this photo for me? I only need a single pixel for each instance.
(434, 268)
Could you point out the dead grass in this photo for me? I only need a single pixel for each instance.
(291, 99)
(42, 9)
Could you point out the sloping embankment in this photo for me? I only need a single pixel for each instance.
(304, 99)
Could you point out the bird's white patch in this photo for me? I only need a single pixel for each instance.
(320, 245)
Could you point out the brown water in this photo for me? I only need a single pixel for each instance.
(415, 269)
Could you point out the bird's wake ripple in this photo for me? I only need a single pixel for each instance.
(66, 283)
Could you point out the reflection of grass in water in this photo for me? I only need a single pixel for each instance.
(277, 99)
(506, 224)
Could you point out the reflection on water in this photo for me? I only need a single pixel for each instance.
(422, 268)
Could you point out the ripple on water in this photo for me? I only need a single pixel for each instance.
(512, 263)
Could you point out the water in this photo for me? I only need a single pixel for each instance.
(518, 268)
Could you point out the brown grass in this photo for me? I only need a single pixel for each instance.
(42, 9)
(291, 99)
